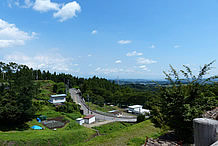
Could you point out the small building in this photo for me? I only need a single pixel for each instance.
(137, 109)
(89, 119)
(59, 98)
(80, 121)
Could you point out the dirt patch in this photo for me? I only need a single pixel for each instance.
(57, 122)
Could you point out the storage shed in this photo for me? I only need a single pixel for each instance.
(89, 119)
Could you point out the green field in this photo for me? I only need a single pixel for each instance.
(130, 135)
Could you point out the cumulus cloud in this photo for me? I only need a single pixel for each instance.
(134, 53)
(122, 42)
(94, 32)
(61, 11)
(142, 60)
(118, 61)
(45, 5)
(11, 36)
(67, 11)
(54, 62)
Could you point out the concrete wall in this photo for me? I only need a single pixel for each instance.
(205, 131)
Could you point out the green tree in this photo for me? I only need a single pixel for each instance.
(184, 100)
(16, 101)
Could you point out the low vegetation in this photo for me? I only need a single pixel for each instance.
(104, 108)
(112, 127)
(132, 135)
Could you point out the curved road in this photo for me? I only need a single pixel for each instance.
(78, 100)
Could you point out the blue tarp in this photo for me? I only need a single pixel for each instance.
(39, 120)
(35, 127)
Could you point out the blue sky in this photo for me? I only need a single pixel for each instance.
(110, 38)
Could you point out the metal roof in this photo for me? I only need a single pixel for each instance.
(59, 95)
(89, 116)
(135, 106)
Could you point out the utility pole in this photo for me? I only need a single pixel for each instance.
(88, 103)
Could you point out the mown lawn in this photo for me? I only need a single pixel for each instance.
(132, 135)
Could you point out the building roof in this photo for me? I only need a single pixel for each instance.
(89, 116)
(135, 106)
(58, 95)
(79, 119)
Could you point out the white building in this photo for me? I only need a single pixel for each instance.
(137, 109)
(59, 98)
(80, 121)
(89, 119)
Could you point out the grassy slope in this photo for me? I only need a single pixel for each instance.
(72, 133)
(133, 135)
(105, 108)
(112, 127)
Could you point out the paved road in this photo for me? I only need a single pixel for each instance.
(77, 98)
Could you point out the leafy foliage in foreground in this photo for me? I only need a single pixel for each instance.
(179, 104)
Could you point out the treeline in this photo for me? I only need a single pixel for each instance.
(96, 90)
(101, 91)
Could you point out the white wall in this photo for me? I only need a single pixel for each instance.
(89, 121)
(80, 122)
(58, 100)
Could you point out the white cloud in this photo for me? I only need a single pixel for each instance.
(11, 36)
(152, 46)
(176, 46)
(124, 42)
(142, 60)
(144, 67)
(94, 32)
(89, 55)
(45, 5)
(134, 53)
(118, 61)
(113, 70)
(75, 64)
(54, 62)
(27, 4)
(67, 11)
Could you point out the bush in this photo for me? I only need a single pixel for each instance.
(140, 118)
